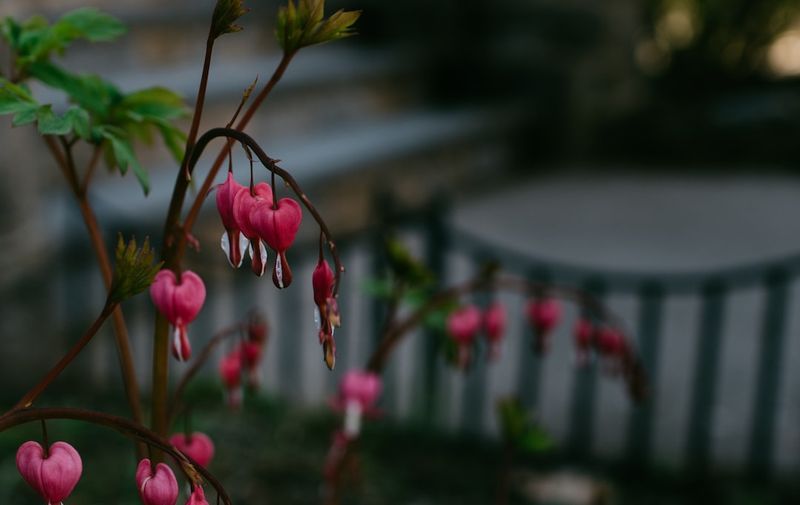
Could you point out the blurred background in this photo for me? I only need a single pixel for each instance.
(646, 150)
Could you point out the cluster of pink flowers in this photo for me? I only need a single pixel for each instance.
(253, 220)
(246, 358)
(54, 473)
(544, 314)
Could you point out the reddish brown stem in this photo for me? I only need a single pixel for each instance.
(194, 472)
(196, 366)
(272, 166)
(29, 397)
(66, 163)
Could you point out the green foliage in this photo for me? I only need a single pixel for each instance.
(36, 39)
(405, 267)
(134, 270)
(226, 13)
(101, 113)
(519, 430)
(302, 24)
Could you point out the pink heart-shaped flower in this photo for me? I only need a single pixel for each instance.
(544, 314)
(197, 446)
(156, 488)
(53, 476)
(278, 227)
(243, 204)
(198, 497)
(464, 324)
(233, 242)
(361, 387)
(494, 322)
(180, 304)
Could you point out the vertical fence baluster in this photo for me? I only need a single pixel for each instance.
(437, 246)
(382, 207)
(770, 365)
(474, 392)
(290, 380)
(705, 375)
(529, 362)
(651, 297)
(584, 392)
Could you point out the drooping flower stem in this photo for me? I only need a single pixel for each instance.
(196, 474)
(28, 399)
(271, 165)
(175, 243)
(66, 163)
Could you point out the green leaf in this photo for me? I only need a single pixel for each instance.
(174, 138)
(134, 270)
(25, 117)
(79, 121)
(14, 98)
(10, 30)
(50, 123)
(90, 92)
(154, 103)
(226, 13)
(123, 155)
(93, 25)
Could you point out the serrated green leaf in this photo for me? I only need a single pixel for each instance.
(154, 103)
(124, 156)
(25, 116)
(14, 98)
(93, 25)
(174, 138)
(50, 123)
(89, 91)
(79, 122)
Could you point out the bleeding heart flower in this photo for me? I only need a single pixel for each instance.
(610, 342)
(358, 393)
(52, 475)
(462, 326)
(543, 315)
(159, 488)
(230, 370)
(277, 225)
(233, 242)
(197, 446)
(584, 336)
(494, 324)
(243, 204)
(257, 329)
(198, 497)
(180, 302)
(326, 313)
(251, 353)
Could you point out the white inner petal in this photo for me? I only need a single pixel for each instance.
(279, 270)
(352, 418)
(317, 319)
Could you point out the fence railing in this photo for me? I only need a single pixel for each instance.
(420, 386)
